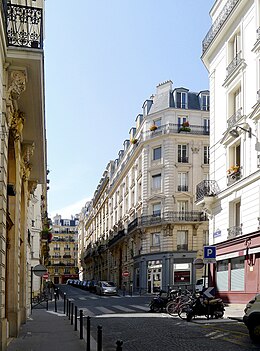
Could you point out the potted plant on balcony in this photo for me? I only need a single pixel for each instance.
(153, 127)
(185, 127)
(133, 141)
(233, 171)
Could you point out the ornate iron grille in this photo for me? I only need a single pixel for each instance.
(224, 14)
(234, 232)
(24, 26)
(206, 188)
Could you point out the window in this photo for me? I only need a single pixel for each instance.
(235, 46)
(237, 275)
(157, 122)
(155, 239)
(206, 155)
(182, 240)
(183, 153)
(157, 209)
(182, 209)
(182, 181)
(206, 126)
(234, 161)
(156, 181)
(182, 99)
(181, 120)
(205, 103)
(222, 275)
(157, 153)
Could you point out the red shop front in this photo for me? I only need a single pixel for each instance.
(236, 273)
(65, 277)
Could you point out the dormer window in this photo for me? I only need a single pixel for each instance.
(205, 102)
(181, 99)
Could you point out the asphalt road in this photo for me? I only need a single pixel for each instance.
(128, 319)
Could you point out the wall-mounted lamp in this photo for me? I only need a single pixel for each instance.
(234, 133)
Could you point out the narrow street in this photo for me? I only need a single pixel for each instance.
(128, 319)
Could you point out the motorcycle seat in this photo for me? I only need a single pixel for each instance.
(212, 301)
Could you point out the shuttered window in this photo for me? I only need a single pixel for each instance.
(237, 275)
(222, 275)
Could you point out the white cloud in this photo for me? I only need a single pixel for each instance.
(70, 210)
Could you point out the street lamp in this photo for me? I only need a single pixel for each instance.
(234, 133)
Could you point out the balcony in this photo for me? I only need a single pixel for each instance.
(216, 26)
(205, 189)
(235, 231)
(234, 64)
(116, 238)
(183, 159)
(233, 120)
(183, 188)
(172, 217)
(182, 247)
(24, 26)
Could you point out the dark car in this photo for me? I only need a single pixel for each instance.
(92, 286)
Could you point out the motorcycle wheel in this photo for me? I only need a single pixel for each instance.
(171, 308)
(184, 310)
(154, 308)
(189, 317)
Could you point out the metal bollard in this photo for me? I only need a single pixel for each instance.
(55, 302)
(81, 324)
(119, 344)
(72, 307)
(75, 319)
(88, 333)
(69, 309)
(64, 303)
(47, 305)
(99, 338)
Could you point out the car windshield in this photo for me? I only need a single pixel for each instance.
(107, 284)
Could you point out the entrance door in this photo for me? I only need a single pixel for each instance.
(154, 276)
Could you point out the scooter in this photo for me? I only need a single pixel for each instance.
(158, 303)
(205, 307)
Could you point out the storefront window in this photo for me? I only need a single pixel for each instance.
(222, 275)
(237, 275)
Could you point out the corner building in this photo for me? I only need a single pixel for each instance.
(231, 197)
(142, 228)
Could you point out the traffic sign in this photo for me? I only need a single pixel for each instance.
(209, 292)
(46, 275)
(198, 263)
(209, 254)
(39, 270)
(125, 274)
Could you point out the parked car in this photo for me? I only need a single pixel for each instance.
(106, 288)
(252, 318)
(92, 286)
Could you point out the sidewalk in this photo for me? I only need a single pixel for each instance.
(48, 330)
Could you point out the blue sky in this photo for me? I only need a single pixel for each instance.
(103, 59)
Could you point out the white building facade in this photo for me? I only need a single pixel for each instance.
(142, 228)
(231, 53)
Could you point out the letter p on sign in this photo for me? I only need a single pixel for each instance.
(209, 252)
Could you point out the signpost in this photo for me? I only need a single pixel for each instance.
(209, 254)
(125, 274)
(209, 292)
(39, 270)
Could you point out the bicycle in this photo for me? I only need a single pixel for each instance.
(179, 305)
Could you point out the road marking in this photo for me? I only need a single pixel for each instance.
(140, 307)
(219, 336)
(212, 333)
(87, 312)
(104, 309)
(122, 308)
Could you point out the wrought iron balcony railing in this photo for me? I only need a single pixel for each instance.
(234, 232)
(216, 26)
(231, 122)
(183, 159)
(206, 188)
(183, 188)
(237, 60)
(24, 25)
(116, 238)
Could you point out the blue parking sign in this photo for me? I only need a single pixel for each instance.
(209, 252)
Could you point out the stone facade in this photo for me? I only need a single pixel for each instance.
(142, 229)
(22, 165)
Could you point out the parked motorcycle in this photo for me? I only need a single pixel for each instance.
(211, 308)
(158, 303)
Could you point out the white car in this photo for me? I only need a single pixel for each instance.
(106, 288)
(252, 318)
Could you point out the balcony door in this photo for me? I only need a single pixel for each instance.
(182, 209)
